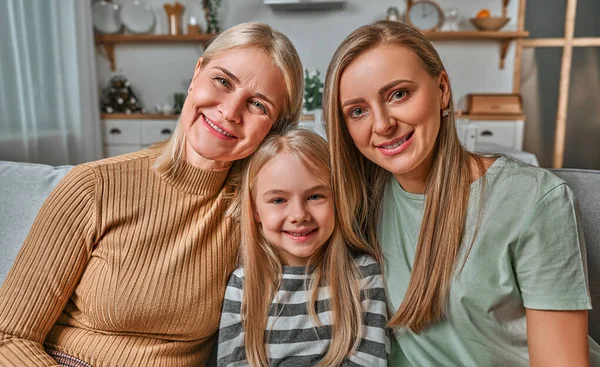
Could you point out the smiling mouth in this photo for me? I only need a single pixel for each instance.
(397, 143)
(300, 234)
(217, 129)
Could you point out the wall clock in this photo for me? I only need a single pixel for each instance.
(425, 15)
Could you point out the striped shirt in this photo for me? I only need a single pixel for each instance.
(294, 339)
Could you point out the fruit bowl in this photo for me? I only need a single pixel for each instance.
(489, 23)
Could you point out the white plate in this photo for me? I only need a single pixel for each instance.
(137, 17)
(106, 17)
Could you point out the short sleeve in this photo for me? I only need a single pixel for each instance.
(549, 258)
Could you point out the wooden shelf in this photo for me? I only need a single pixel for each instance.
(137, 116)
(476, 35)
(491, 117)
(108, 41)
(504, 37)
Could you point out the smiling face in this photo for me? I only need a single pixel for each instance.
(235, 100)
(392, 109)
(294, 209)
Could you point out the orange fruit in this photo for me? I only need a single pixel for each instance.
(483, 13)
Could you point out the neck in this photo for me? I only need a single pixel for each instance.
(198, 161)
(415, 180)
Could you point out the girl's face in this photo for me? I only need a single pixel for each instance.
(294, 209)
(234, 102)
(392, 109)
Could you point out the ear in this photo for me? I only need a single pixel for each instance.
(255, 215)
(197, 71)
(444, 86)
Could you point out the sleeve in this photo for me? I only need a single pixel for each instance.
(374, 347)
(550, 258)
(47, 268)
(230, 347)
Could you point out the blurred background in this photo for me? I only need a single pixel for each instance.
(82, 80)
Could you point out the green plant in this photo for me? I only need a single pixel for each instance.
(313, 90)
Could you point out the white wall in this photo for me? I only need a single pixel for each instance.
(158, 70)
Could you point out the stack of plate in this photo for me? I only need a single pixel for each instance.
(133, 14)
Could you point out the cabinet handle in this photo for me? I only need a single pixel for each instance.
(166, 131)
(487, 133)
(115, 131)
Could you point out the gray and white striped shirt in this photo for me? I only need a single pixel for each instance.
(293, 338)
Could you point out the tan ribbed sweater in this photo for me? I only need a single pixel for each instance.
(122, 267)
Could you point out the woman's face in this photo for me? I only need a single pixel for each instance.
(233, 103)
(391, 108)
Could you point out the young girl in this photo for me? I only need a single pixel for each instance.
(484, 256)
(303, 297)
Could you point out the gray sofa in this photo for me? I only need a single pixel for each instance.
(24, 187)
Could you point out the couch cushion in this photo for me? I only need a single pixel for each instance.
(23, 189)
(586, 187)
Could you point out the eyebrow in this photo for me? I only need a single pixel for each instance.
(380, 92)
(237, 81)
(314, 188)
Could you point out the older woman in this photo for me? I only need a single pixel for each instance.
(128, 259)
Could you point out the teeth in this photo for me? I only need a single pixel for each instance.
(397, 144)
(300, 234)
(215, 127)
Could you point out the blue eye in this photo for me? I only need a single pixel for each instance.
(222, 81)
(356, 112)
(277, 201)
(399, 94)
(315, 197)
(260, 106)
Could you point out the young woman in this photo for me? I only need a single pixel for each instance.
(127, 261)
(302, 297)
(484, 256)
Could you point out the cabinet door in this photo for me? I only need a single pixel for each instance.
(121, 132)
(504, 133)
(154, 131)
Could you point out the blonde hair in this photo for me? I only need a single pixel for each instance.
(333, 266)
(285, 57)
(359, 183)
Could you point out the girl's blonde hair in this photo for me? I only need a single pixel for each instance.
(332, 266)
(359, 183)
(284, 56)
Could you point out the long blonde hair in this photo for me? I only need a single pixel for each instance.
(333, 266)
(359, 183)
(284, 56)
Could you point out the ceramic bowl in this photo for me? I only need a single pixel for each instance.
(489, 23)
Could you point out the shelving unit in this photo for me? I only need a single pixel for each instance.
(504, 37)
(153, 116)
(108, 41)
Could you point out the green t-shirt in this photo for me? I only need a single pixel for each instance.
(529, 253)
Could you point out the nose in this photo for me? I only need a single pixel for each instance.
(383, 123)
(231, 108)
(298, 212)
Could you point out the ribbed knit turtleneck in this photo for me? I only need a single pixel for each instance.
(122, 267)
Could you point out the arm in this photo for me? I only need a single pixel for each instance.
(558, 338)
(48, 267)
(231, 337)
(550, 266)
(374, 348)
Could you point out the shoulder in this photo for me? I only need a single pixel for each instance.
(511, 176)
(125, 162)
(368, 267)
(236, 279)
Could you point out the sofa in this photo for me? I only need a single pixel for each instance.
(25, 186)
